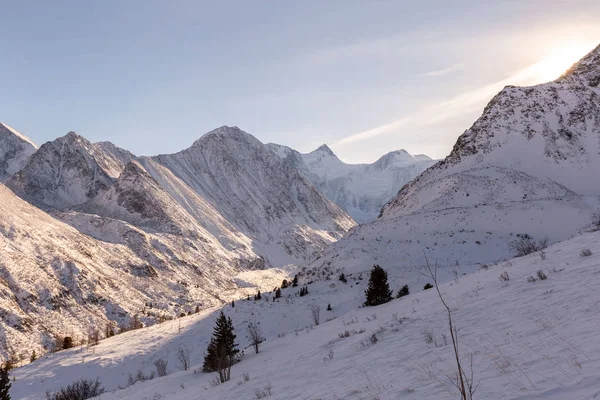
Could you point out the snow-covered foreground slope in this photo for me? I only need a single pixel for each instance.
(15, 150)
(528, 340)
(526, 166)
(360, 189)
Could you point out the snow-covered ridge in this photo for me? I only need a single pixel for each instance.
(360, 189)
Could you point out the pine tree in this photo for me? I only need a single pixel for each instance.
(232, 303)
(33, 357)
(222, 350)
(343, 278)
(4, 383)
(67, 342)
(295, 281)
(328, 307)
(378, 291)
(404, 291)
(278, 293)
(284, 284)
(257, 296)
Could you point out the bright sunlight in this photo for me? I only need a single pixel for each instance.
(560, 60)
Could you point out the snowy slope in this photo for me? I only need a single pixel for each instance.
(528, 340)
(111, 158)
(15, 150)
(525, 166)
(56, 281)
(360, 189)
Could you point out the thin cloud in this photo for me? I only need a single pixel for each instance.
(455, 107)
(445, 71)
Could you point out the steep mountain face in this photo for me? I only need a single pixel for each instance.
(263, 197)
(56, 281)
(360, 189)
(15, 150)
(111, 158)
(61, 174)
(527, 165)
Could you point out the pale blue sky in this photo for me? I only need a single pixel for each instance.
(365, 77)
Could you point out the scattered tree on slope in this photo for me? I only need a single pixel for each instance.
(378, 291)
(222, 350)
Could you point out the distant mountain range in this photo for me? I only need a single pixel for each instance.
(360, 189)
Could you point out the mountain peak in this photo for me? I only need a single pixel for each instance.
(224, 133)
(325, 149)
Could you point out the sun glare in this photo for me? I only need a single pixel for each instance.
(560, 60)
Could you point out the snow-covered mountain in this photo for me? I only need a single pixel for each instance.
(526, 166)
(15, 150)
(360, 189)
(61, 174)
(262, 196)
(177, 231)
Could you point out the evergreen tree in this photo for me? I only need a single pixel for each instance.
(257, 296)
(278, 293)
(67, 342)
(343, 278)
(404, 291)
(284, 284)
(4, 383)
(328, 307)
(378, 291)
(222, 350)
(295, 281)
(33, 357)
(232, 303)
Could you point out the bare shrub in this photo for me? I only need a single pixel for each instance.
(527, 245)
(78, 390)
(139, 377)
(183, 358)
(596, 221)
(504, 277)
(93, 337)
(246, 376)
(428, 336)
(464, 382)
(315, 313)
(161, 367)
(531, 279)
(255, 335)
(585, 253)
(329, 356)
(264, 392)
(373, 338)
(541, 275)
